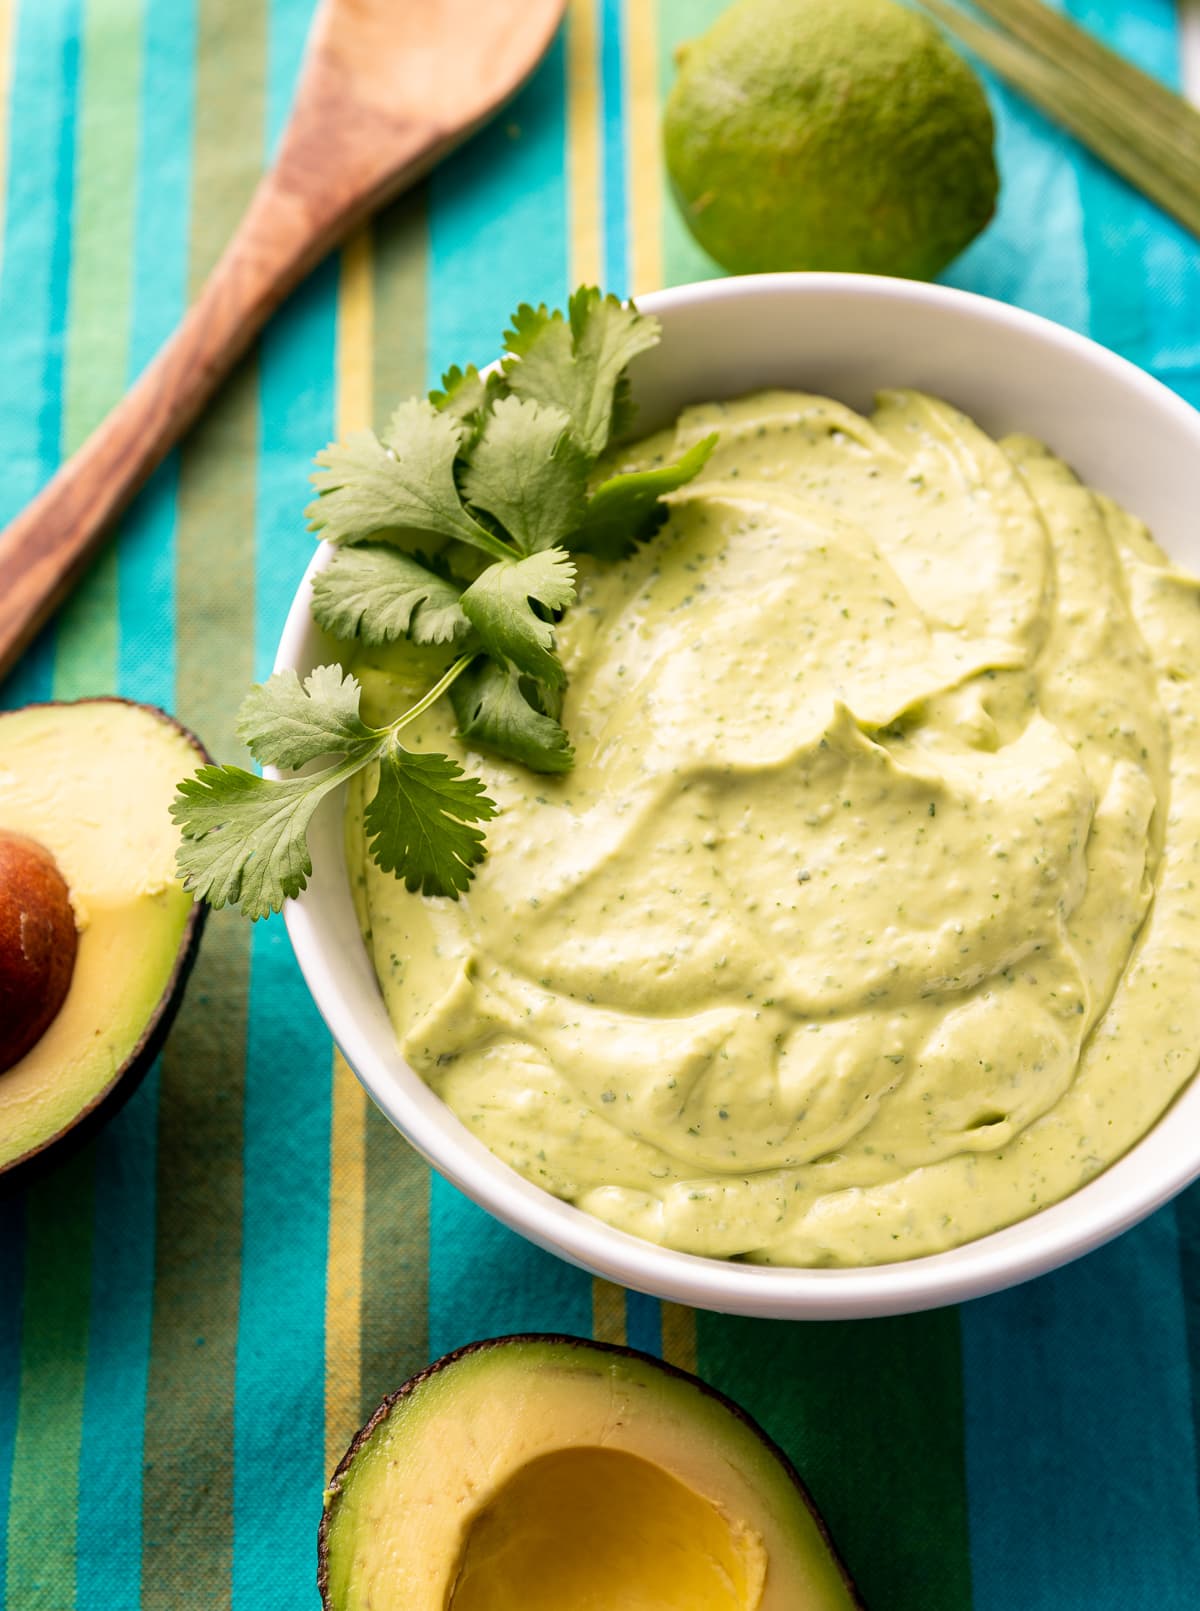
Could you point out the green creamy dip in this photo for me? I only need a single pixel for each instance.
(868, 919)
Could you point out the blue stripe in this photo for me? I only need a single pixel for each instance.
(287, 24)
(33, 298)
(643, 1323)
(1080, 1451)
(146, 584)
(1039, 203)
(497, 226)
(497, 232)
(613, 154)
(1080, 1464)
(281, 1331)
(108, 1539)
(485, 1281)
(109, 1535)
(33, 284)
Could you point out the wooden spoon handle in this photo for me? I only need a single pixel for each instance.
(318, 188)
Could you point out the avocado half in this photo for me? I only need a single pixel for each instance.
(85, 792)
(544, 1473)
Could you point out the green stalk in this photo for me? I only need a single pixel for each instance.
(1138, 149)
(435, 693)
(1077, 51)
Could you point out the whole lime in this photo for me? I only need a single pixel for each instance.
(829, 134)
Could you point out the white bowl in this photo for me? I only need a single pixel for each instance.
(847, 335)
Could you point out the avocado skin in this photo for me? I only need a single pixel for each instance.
(561, 1339)
(32, 1165)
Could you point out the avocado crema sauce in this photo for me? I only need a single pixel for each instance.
(867, 921)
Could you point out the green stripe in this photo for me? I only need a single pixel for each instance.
(679, 21)
(100, 307)
(872, 1414)
(395, 1275)
(42, 1498)
(45, 1481)
(188, 1495)
(401, 251)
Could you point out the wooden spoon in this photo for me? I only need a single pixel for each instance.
(388, 87)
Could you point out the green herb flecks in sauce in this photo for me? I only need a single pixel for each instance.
(867, 919)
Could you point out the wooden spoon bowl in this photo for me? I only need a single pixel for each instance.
(387, 88)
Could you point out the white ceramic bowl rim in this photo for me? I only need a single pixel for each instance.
(1108, 1205)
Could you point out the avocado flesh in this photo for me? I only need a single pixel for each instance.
(93, 782)
(535, 1547)
(539, 1473)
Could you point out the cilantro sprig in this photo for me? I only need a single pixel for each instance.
(456, 528)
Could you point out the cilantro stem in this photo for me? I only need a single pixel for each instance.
(435, 693)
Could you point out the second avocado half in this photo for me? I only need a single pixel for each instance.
(547, 1473)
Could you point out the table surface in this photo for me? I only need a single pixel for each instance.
(199, 1309)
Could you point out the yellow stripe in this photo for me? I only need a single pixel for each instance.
(583, 142)
(8, 11)
(645, 186)
(356, 337)
(679, 1336)
(608, 1312)
(348, 1127)
(343, 1274)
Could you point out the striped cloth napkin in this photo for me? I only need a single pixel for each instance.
(197, 1311)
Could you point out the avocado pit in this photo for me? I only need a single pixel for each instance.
(38, 944)
(86, 833)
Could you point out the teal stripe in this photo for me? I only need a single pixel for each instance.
(1039, 204)
(1079, 1436)
(33, 300)
(288, 24)
(497, 229)
(110, 1465)
(613, 155)
(281, 1331)
(33, 284)
(643, 1322)
(278, 1414)
(485, 1281)
(498, 223)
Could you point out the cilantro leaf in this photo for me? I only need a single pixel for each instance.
(367, 487)
(465, 393)
(245, 837)
(500, 606)
(420, 824)
(493, 712)
(625, 510)
(379, 594)
(284, 722)
(527, 472)
(501, 464)
(576, 364)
